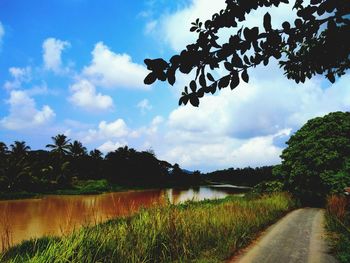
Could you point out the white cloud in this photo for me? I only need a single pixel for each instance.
(19, 76)
(150, 26)
(247, 126)
(52, 51)
(175, 27)
(226, 152)
(144, 106)
(180, 21)
(24, 114)
(85, 96)
(109, 69)
(110, 146)
(107, 131)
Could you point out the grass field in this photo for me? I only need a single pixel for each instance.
(207, 231)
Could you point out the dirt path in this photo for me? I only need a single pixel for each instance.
(296, 238)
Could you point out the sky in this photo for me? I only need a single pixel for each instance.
(76, 67)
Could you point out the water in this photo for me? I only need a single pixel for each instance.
(58, 215)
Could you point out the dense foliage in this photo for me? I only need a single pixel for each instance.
(316, 43)
(317, 159)
(242, 176)
(68, 162)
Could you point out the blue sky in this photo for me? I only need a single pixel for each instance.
(76, 67)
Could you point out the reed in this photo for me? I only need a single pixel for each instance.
(5, 230)
(207, 231)
(338, 225)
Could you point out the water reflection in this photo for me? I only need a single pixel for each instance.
(59, 215)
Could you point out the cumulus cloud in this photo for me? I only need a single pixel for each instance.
(52, 51)
(110, 146)
(19, 75)
(107, 131)
(180, 21)
(246, 126)
(144, 106)
(23, 113)
(109, 69)
(84, 95)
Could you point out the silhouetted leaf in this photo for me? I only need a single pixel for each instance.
(202, 81)
(210, 77)
(150, 78)
(245, 76)
(228, 66)
(171, 77)
(234, 79)
(194, 100)
(223, 83)
(193, 86)
(331, 77)
(183, 100)
(236, 61)
(267, 22)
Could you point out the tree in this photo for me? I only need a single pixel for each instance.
(76, 149)
(60, 145)
(96, 155)
(317, 159)
(18, 170)
(317, 43)
(19, 149)
(3, 149)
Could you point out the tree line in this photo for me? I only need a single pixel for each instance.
(247, 176)
(65, 162)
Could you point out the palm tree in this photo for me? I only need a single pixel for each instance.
(77, 149)
(18, 169)
(19, 149)
(60, 144)
(3, 149)
(96, 154)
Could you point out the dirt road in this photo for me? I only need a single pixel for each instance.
(296, 238)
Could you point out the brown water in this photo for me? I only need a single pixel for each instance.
(58, 215)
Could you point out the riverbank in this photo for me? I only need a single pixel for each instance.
(91, 187)
(80, 187)
(207, 231)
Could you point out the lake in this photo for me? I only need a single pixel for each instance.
(60, 214)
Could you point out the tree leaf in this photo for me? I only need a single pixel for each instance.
(267, 22)
(194, 100)
(210, 77)
(193, 86)
(245, 76)
(228, 66)
(202, 81)
(150, 78)
(223, 83)
(234, 79)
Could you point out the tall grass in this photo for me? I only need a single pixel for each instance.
(5, 230)
(207, 231)
(338, 224)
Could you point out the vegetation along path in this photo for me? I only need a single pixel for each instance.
(297, 238)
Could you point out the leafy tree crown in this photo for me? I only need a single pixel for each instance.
(318, 42)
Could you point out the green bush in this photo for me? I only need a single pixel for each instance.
(317, 159)
(268, 187)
